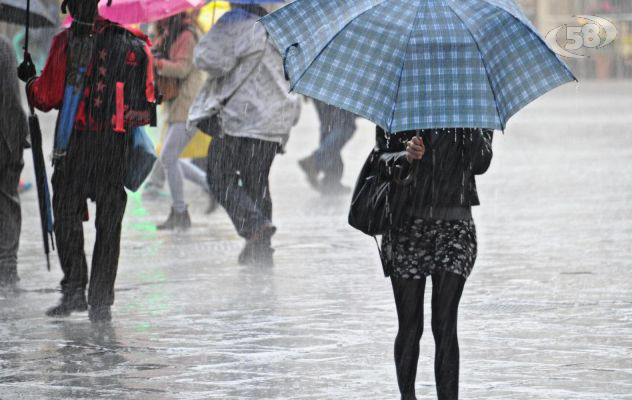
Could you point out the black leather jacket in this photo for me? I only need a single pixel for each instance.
(445, 176)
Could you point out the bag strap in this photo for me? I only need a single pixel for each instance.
(249, 75)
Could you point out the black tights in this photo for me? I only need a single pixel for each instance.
(409, 300)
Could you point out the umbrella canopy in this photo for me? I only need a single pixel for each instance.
(211, 13)
(412, 64)
(14, 11)
(128, 12)
(255, 1)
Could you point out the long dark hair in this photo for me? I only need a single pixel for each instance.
(64, 5)
(171, 28)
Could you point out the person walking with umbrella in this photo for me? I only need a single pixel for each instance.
(13, 134)
(247, 91)
(100, 76)
(436, 77)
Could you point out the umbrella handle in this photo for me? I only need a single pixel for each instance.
(28, 23)
(411, 174)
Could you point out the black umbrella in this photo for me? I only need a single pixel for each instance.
(15, 11)
(41, 180)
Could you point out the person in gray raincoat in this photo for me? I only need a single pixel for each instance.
(247, 86)
(13, 132)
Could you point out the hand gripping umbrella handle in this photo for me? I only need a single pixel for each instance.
(411, 173)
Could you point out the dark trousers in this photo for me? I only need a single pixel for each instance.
(336, 129)
(409, 298)
(238, 171)
(11, 165)
(93, 169)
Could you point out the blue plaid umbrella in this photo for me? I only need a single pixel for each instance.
(417, 64)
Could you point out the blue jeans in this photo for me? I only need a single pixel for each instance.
(178, 137)
(336, 129)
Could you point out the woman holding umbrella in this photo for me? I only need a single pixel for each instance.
(436, 77)
(436, 239)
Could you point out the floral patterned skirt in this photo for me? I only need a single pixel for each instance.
(425, 247)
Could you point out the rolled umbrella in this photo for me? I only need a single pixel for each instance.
(39, 165)
(15, 11)
(41, 182)
(411, 64)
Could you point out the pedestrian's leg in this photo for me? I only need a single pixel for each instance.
(157, 177)
(337, 128)
(310, 165)
(177, 139)
(328, 155)
(111, 201)
(256, 175)
(69, 202)
(194, 174)
(10, 214)
(409, 300)
(447, 289)
(228, 156)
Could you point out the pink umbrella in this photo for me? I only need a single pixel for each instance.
(127, 12)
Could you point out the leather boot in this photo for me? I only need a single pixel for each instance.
(99, 314)
(70, 302)
(176, 220)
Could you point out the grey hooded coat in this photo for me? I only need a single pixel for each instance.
(238, 51)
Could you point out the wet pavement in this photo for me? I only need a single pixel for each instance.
(546, 314)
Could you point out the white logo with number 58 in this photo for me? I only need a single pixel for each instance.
(586, 36)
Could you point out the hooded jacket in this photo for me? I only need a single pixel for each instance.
(236, 52)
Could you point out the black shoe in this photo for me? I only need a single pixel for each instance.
(246, 254)
(9, 285)
(70, 302)
(308, 165)
(263, 256)
(176, 220)
(258, 249)
(9, 279)
(100, 314)
(256, 253)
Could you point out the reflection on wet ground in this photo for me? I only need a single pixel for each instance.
(547, 313)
